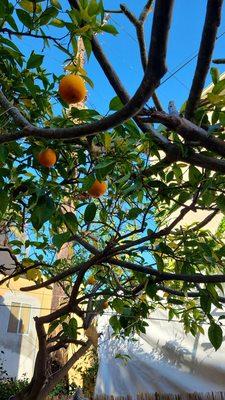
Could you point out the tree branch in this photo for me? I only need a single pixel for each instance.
(139, 26)
(64, 274)
(190, 131)
(156, 68)
(59, 375)
(167, 276)
(212, 22)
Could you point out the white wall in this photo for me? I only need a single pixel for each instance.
(19, 349)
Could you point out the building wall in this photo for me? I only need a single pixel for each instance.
(20, 348)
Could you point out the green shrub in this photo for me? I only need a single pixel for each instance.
(8, 387)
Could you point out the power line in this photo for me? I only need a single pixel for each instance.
(179, 67)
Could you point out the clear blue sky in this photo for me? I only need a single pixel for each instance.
(123, 53)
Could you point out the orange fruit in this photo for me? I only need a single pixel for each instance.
(47, 158)
(91, 280)
(72, 89)
(97, 189)
(105, 304)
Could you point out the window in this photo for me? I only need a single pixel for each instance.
(19, 319)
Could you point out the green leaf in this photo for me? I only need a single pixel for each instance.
(29, 6)
(109, 29)
(134, 212)
(104, 168)
(215, 335)
(4, 201)
(25, 18)
(215, 74)
(72, 328)
(60, 239)
(53, 326)
(219, 87)
(115, 104)
(88, 182)
(87, 45)
(205, 301)
(220, 201)
(70, 221)
(57, 22)
(178, 173)
(93, 8)
(159, 261)
(49, 13)
(118, 305)
(90, 212)
(42, 211)
(56, 4)
(222, 117)
(10, 44)
(194, 175)
(115, 323)
(11, 22)
(151, 289)
(35, 60)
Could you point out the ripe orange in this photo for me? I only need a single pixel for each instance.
(72, 89)
(91, 280)
(97, 189)
(47, 158)
(105, 305)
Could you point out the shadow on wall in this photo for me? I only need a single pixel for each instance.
(11, 329)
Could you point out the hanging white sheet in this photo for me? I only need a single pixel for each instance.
(162, 360)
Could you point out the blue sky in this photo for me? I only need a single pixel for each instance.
(123, 53)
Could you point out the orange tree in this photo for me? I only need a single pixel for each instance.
(128, 240)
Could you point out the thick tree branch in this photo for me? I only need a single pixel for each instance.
(59, 375)
(184, 294)
(212, 22)
(64, 274)
(189, 131)
(167, 276)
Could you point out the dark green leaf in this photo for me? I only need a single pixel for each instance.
(90, 212)
(70, 221)
(205, 301)
(60, 239)
(134, 212)
(215, 335)
(115, 104)
(25, 18)
(42, 211)
(114, 322)
(194, 175)
(118, 305)
(151, 289)
(4, 201)
(104, 168)
(215, 74)
(220, 201)
(49, 13)
(35, 60)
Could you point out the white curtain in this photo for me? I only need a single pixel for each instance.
(162, 360)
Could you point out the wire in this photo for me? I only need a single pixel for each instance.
(109, 313)
(179, 67)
